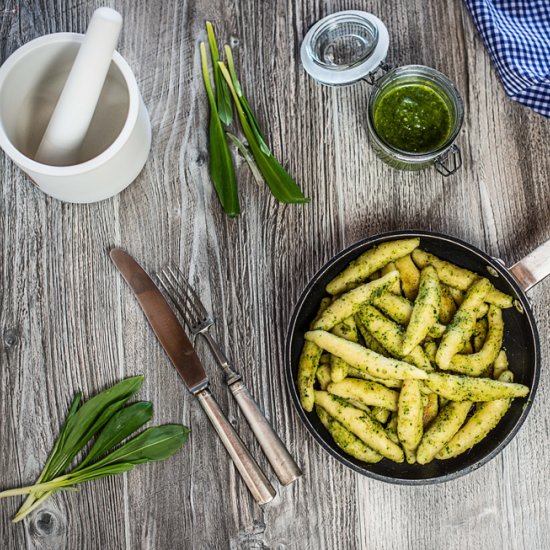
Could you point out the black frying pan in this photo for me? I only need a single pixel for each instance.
(521, 342)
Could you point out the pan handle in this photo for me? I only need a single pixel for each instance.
(532, 269)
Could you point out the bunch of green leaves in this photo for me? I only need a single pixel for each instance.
(106, 417)
(256, 152)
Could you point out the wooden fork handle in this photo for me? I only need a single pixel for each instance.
(280, 459)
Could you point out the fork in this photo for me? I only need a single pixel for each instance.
(198, 320)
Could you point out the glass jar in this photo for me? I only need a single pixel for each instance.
(445, 155)
(350, 46)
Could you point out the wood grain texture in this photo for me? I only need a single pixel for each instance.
(67, 321)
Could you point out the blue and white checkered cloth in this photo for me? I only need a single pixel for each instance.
(517, 36)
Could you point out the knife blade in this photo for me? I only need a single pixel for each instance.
(179, 349)
(162, 319)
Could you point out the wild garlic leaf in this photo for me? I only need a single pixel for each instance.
(63, 433)
(251, 117)
(153, 444)
(247, 155)
(30, 502)
(101, 411)
(222, 171)
(281, 184)
(95, 473)
(73, 409)
(121, 425)
(89, 419)
(223, 98)
(66, 482)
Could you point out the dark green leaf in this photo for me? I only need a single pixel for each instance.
(89, 419)
(63, 433)
(247, 155)
(30, 503)
(283, 187)
(95, 473)
(224, 106)
(222, 172)
(121, 425)
(75, 405)
(151, 445)
(281, 184)
(251, 118)
(249, 113)
(102, 411)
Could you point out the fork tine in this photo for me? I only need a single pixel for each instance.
(184, 289)
(183, 309)
(184, 296)
(180, 277)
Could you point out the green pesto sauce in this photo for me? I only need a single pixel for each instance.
(413, 118)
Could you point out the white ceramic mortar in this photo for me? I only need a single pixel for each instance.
(119, 138)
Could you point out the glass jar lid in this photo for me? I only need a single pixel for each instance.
(344, 47)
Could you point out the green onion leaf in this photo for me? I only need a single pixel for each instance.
(221, 163)
(225, 109)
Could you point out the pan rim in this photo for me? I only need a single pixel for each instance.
(372, 240)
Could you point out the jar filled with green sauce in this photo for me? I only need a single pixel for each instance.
(414, 112)
(414, 116)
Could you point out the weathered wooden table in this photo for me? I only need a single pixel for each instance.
(68, 321)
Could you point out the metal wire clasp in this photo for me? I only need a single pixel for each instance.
(449, 162)
(378, 73)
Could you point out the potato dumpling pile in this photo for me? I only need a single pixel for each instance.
(404, 359)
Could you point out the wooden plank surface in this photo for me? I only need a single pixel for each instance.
(67, 321)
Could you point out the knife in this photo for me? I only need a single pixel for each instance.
(180, 351)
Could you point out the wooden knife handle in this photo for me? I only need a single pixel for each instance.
(255, 479)
(280, 459)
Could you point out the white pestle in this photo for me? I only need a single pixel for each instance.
(75, 107)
